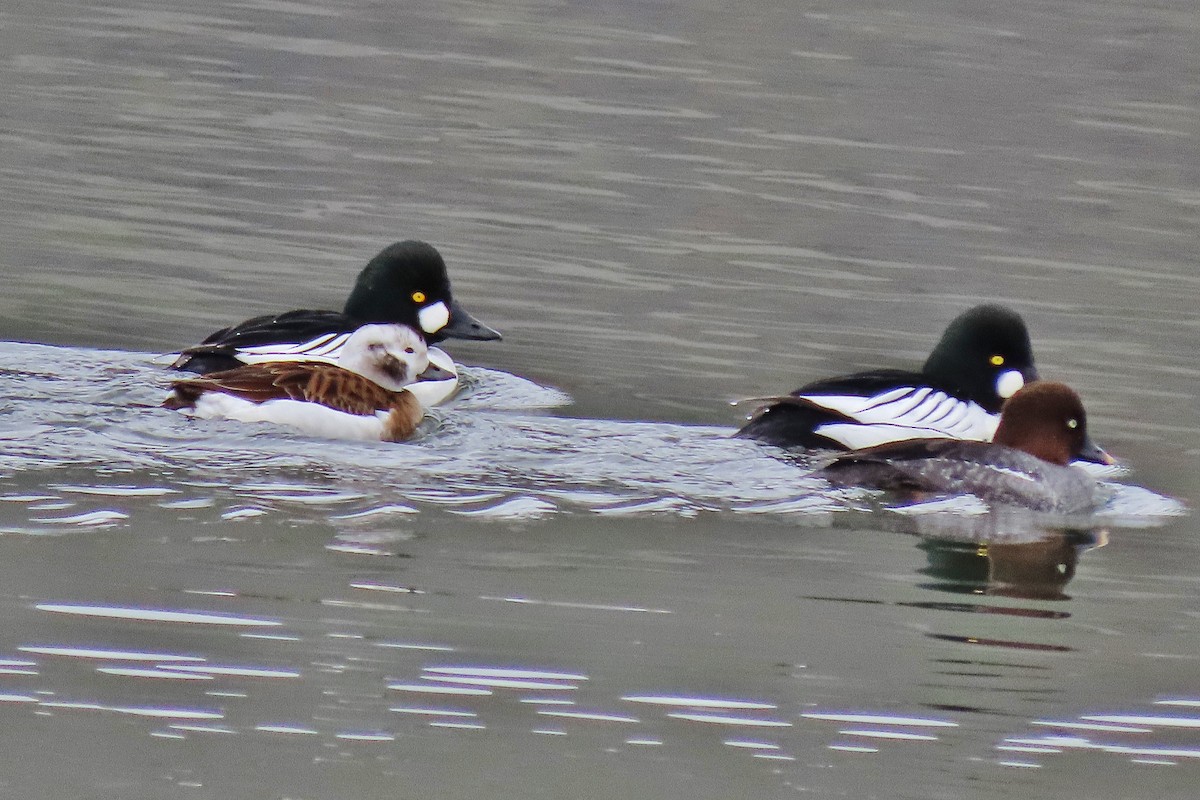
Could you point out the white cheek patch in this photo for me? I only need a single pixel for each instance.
(433, 317)
(1009, 383)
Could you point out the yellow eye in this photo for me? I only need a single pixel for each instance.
(418, 297)
(997, 361)
(1072, 423)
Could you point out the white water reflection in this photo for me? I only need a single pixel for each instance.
(289, 729)
(697, 702)
(134, 672)
(1151, 720)
(594, 716)
(728, 719)
(1131, 735)
(885, 734)
(156, 615)
(419, 688)
(207, 670)
(107, 655)
(499, 672)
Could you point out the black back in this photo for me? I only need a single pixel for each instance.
(216, 353)
(792, 422)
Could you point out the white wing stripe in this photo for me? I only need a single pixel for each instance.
(917, 398)
(904, 413)
(943, 408)
(326, 348)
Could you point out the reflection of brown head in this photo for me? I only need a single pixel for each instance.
(1036, 570)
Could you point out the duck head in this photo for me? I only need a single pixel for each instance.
(984, 352)
(392, 356)
(407, 283)
(1046, 419)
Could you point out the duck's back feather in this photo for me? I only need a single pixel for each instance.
(865, 409)
(219, 351)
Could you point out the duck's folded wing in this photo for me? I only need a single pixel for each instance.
(291, 326)
(313, 382)
(870, 408)
(913, 449)
(295, 335)
(897, 466)
(895, 398)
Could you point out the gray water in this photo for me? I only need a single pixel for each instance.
(573, 583)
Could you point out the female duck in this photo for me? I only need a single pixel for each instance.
(365, 395)
(1042, 429)
(406, 283)
(983, 358)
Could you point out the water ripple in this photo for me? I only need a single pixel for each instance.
(492, 454)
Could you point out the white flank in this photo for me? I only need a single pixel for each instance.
(856, 437)
(311, 418)
(904, 413)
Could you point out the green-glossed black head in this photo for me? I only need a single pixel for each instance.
(985, 355)
(407, 283)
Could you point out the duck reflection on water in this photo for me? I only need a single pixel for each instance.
(1033, 570)
(1004, 552)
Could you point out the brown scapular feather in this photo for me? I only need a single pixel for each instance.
(310, 381)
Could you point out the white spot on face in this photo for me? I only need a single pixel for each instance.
(434, 317)
(1009, 383)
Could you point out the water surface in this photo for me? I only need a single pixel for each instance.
(663, 207)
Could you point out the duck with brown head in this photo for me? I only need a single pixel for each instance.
(1043, 428)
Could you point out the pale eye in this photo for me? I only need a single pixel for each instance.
(997, 360)
(418, 297)
(1072, 424)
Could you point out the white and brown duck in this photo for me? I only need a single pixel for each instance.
(363, 395)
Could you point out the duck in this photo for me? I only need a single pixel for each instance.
(405, 283)
(1042, 429)
(365, 395)
(983, 358)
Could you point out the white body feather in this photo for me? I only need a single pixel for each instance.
(311, 418)
(903, 413)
